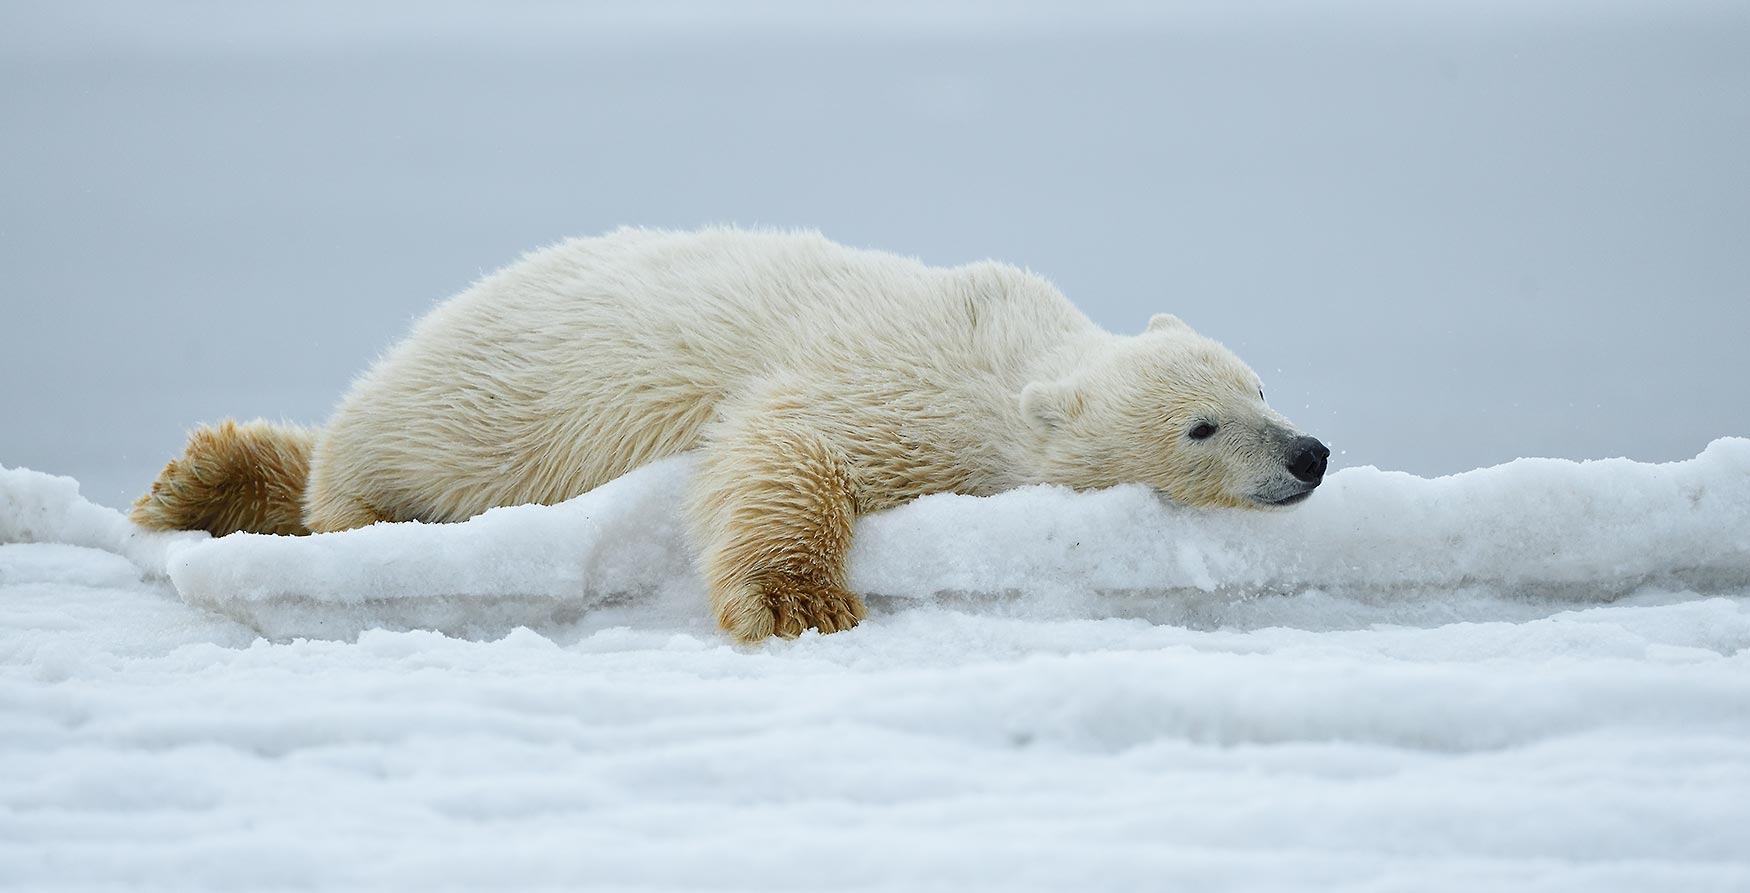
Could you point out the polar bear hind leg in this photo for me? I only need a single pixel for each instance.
(233, 477)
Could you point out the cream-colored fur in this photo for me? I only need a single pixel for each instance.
(819, 382)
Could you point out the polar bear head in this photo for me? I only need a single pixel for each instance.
(1176, 411)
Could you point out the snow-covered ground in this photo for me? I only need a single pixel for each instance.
(1534, 676)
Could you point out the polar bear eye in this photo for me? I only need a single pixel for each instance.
(1202, 431)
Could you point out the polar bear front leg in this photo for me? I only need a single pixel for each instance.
(772, 513)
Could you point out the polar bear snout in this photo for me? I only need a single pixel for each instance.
(1307, 458)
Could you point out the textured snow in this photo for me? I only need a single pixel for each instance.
(1386, 546)
(1533, 676)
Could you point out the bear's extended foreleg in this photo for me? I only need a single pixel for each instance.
(773, 509)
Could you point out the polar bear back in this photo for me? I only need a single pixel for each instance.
(584, 360)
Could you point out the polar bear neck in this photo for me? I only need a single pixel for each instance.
(1025, 331)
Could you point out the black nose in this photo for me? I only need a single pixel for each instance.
(1306, 459)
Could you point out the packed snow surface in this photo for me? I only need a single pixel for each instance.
(1533, 676)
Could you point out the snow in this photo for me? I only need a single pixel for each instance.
(1533, 676)
(1372, 547)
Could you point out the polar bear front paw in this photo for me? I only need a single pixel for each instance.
(785, 606)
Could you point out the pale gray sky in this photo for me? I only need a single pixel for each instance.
(1446, 238)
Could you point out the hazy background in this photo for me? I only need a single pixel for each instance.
(1446, 238)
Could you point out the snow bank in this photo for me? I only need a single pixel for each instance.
(1004, 731)
(47, 508)
(1377, 545)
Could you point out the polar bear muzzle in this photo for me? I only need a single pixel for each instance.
(1305, 461)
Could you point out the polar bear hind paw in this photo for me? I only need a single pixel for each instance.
(233, 476)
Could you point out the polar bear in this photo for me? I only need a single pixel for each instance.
(818, 382)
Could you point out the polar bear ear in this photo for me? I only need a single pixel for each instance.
(1048, 404)
(1161, 322)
